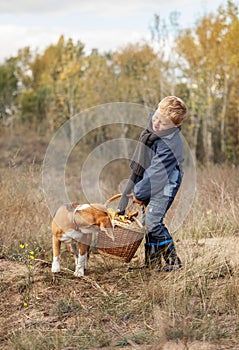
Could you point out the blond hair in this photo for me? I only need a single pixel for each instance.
(174, 108)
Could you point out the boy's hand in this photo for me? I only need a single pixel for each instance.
(134, 199)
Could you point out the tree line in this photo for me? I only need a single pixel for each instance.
(201, 66)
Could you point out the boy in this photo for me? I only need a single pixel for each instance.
(156, 177)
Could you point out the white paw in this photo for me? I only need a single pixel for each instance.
(56, 267)
(80, 265)
(79, 272)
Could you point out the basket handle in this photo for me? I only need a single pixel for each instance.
(116, 196)
(111, 199)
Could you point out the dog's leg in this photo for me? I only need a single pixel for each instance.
(73, 248)
(82, 260)
(88, 243)
(88, 257)
(56, 243)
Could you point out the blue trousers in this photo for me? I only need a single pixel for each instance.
(157, 233)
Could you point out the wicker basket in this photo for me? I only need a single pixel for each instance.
(127, 240)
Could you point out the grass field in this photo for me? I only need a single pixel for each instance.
(195, 308)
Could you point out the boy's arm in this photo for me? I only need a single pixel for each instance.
(156, 175)
(125, 198)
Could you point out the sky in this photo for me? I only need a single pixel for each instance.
(102, 24)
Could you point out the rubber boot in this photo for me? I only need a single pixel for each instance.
(153, 256)
(146, 260)
(171, 258)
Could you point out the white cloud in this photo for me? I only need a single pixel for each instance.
(102, 24)
(100, 7)
(15, 37)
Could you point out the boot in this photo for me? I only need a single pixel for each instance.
(147, 250)
(153, 256)
(171, 258)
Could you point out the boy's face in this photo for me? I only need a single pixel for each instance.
(160, 122)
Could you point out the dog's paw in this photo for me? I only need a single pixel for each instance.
(79, 272)
(56, 267)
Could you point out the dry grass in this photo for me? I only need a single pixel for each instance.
(196, 308)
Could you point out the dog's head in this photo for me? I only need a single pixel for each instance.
(88, 215)
(105, 221)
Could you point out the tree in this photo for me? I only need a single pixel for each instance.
(8, 91)
(137, 77)
(209, 57)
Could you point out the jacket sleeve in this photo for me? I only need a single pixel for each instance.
(123, 203)
(156, 175)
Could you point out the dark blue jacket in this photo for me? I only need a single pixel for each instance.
(166, 158)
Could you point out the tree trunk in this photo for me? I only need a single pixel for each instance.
(207, 130)
(223, 114)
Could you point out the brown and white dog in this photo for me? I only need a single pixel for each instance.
(74, 225)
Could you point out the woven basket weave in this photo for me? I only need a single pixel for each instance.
(127, 240)
(125, 244)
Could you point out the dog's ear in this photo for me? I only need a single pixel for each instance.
(107, 227)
